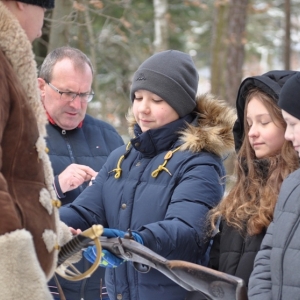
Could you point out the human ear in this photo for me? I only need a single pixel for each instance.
(41, 84)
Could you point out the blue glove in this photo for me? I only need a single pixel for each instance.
(110, 233)
(108, 260)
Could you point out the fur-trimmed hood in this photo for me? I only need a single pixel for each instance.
(211, 131)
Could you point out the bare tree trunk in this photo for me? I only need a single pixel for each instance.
(287, 41)
(218, 46)
(59, 34)
(92, 43)
(161, 33)
(236, 47)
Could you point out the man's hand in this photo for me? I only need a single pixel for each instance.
(74, 176)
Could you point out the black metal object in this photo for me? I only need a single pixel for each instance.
(72, 247)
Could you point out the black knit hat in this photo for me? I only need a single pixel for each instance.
(270, 83)
(289, 97)
(171, 75)
(42, 3)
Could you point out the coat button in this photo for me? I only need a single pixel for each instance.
(124, 206)
(119, 297)
(138, 164)
(137, 144)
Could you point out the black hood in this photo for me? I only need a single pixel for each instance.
(271, 83)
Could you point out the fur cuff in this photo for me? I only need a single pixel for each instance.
(21, 276)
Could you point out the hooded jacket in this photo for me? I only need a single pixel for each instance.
(271, 83)
(30, 230)
(161, 185)
(232, 252)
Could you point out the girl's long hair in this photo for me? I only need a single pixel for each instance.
(250, 203)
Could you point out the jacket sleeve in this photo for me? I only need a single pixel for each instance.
(260, 280)
(183, 232)
(87, 209)
(10, 219)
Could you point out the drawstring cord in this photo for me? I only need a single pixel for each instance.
(162, 167)
(118, 169)
(154, 174)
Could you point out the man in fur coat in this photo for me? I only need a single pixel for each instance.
(30, 230)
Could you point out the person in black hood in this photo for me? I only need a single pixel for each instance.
(264, 159)
(276, 266)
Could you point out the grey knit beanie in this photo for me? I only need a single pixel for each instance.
(171, 75)
(42, 3)
(289, 97)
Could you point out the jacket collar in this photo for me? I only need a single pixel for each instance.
(210, 130)
(154, 141)
(51, 121)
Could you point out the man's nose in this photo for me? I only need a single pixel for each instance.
(76, 102)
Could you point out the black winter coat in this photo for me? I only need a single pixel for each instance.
(237, 253)
(233, 253)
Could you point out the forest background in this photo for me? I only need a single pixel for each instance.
(228, 40)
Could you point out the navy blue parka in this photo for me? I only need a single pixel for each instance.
(88, 145)
(166, 205)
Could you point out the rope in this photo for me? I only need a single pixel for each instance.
(162, 167)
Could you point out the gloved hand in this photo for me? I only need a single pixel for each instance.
(110, 233)
(108, 260)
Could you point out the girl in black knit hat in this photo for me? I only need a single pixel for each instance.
(277, 264)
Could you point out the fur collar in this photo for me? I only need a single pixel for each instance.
(18, 50)
(213, 130)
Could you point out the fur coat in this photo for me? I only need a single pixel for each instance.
(30, 230)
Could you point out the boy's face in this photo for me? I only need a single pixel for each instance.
(292, 132)
(151, 111)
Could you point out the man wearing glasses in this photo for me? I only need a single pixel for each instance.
(78, 143)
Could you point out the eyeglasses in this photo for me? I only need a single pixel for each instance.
(70, 96)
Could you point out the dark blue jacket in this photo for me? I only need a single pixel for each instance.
(166, 205)
(89, 145)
